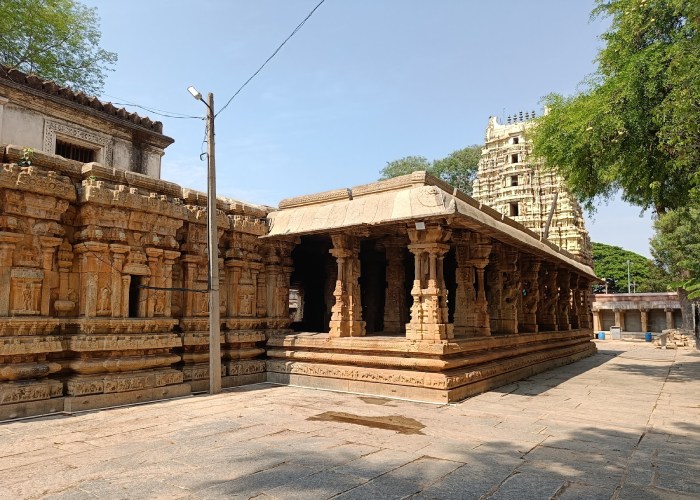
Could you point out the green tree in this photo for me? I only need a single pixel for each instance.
(610, 262)
(457, 169)
(404, 166)
(676, 246)
(634, 128)
(56, 39)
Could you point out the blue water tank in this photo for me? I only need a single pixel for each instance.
(647, 336)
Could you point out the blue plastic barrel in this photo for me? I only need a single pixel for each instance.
(601, 335)
(647, 336)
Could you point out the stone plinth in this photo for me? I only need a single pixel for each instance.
(26, 345)
(444, 371)
(120, 360)
(242, 352)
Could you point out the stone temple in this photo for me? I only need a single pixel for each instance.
(405, 288)
(508, 181)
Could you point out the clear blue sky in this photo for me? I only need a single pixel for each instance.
(364, 82)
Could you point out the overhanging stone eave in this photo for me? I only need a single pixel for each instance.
(507, 231)
(359, 226)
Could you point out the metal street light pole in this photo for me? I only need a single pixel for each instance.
(213, 249)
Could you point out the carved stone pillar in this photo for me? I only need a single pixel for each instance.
(645, 319)
(564, 300)
(585, 317)
(529, 274)
(512, 291)
(549, 295)
(465, 296)
(669, 319)
(395, 293)
(503, 292)
(575, 305)
(346, 313)
(478, 321)
(429, 318)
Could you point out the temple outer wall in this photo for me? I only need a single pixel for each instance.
(103, 273)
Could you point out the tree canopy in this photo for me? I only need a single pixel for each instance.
(610, 263)
(457, 169)
(634, 128)
(56, 39)
(676, 246)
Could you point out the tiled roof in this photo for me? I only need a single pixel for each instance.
(53, 89)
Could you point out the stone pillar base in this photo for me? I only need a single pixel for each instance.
(471, 331)
(429, 331)
(528, 327)
(504, 325)
(347, 329)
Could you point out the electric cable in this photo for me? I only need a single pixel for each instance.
(294, 32)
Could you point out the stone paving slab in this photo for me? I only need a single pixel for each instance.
(623, 424)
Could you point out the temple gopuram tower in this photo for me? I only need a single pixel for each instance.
(521, 189)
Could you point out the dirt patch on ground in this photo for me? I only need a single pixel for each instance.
(398, 423)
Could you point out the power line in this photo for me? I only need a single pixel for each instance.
(299, 26)
(155, 111)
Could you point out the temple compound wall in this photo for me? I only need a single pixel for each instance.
(42, 116)
(509, 181)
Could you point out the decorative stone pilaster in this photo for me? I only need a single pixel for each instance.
(429, 318)
(346, 313)
(169, 257)
(549, 295)
(118, 256)
(95, 292)
(8, 242)
(529, 274)
(395, 295)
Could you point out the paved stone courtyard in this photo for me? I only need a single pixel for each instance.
(622, 424)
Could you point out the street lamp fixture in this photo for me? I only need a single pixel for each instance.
(213, 249)
(195, 93)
